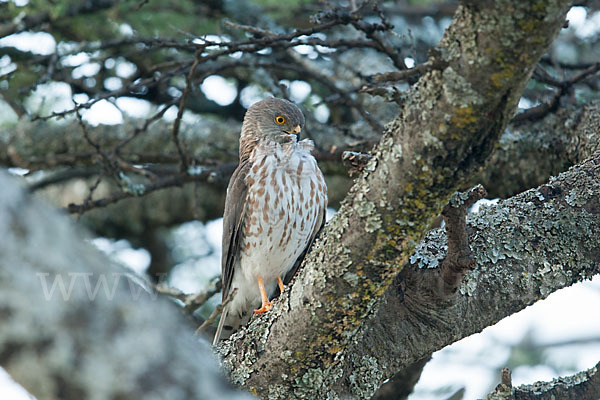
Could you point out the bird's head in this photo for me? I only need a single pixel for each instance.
(274, 119)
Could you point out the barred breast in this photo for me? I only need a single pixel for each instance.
(286, 195)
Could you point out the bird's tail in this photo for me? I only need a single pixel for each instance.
(229, 323)
(220, 326)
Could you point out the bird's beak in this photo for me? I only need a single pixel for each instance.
(297, 130)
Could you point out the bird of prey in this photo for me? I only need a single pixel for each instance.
(275, 206)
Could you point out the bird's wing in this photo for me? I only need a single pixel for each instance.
(233, 220)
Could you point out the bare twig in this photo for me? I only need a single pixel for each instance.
(418, 70)
(541, 110)
(193, 301)
(218, 310)
(208, 175)
(145, 127)
(106, 159)
(141, 4)
(177, 123)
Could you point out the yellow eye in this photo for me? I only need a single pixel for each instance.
(280, 120)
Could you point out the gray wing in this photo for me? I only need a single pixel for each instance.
(233, 220)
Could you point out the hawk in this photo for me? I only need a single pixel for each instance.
(275, 205)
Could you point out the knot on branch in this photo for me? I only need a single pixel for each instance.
(459, 258)
(355, 161)
(504, 390)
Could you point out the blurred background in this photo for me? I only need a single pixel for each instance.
(79, 78)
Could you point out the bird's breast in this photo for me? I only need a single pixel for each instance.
(286, 192)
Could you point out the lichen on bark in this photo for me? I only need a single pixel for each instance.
(446, 129)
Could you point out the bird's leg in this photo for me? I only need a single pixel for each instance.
(280, 283)
(266, 304)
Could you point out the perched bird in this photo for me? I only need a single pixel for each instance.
(275, 206)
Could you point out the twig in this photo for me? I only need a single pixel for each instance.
(191, 302)
(371, 31)
(145, 127)
(91, 191)
(248, 28)
(418, 70)
(175, 133)
(208, 175)
(505, 387)
(141, 4)
(106, 159)
(218, 309)
(541, 110)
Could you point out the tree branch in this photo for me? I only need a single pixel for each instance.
(447, 127)
(459, 259)
(583, 385)
(58, 348)
(525, 247)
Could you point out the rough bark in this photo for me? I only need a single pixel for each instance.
(582, 385)
(519, 264)
(447, 127)
(525, 247)
(99, 342)
(401, 385)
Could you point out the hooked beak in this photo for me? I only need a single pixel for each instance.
(296, 131)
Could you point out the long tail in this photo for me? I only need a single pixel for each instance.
(229, 323)
(220, 326)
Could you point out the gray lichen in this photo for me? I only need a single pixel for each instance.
(430, 251)
(366, 377)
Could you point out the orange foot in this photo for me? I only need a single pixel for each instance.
(266, 304)
(265, 307)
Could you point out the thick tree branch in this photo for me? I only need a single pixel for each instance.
(63, 304)
(401, 385)
(526, 157)
(447, 127)
(526, 248)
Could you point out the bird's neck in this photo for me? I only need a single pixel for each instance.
(248, 142)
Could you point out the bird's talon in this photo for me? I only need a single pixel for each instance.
(265, 307)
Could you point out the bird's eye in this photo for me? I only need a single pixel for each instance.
(280, 120)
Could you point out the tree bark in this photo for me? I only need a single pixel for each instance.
(581, 386)
(525, 247)
(310, 344)
(105, 337)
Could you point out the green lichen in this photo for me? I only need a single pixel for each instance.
(458, 90)
(366, 376)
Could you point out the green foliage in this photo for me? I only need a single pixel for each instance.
(164, 19)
